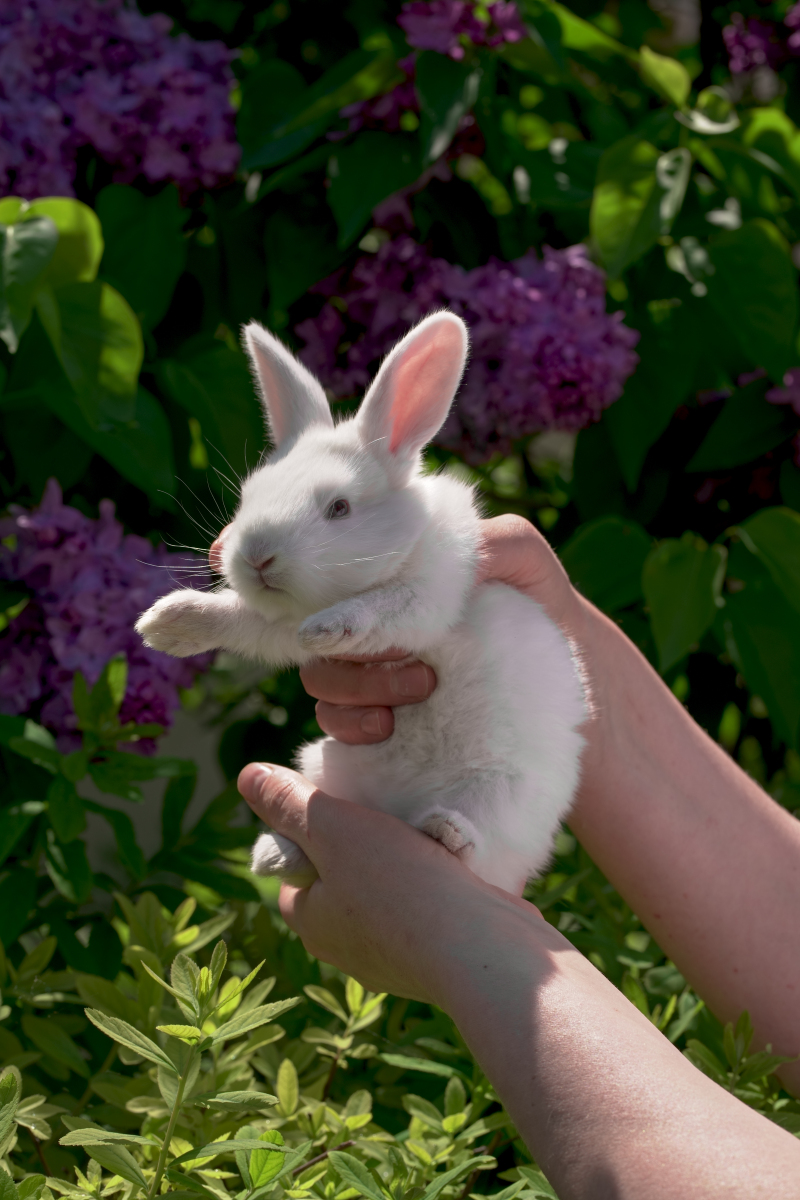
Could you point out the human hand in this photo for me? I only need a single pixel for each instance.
(355, 696)
(391, 906)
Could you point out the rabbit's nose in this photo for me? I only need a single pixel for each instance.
(260, 564)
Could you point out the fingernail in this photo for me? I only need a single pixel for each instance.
(264, 768)
(410, 681)
(371, 723)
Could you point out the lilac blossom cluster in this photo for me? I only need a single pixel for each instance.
(445, 25)
(97, 72)
(752, 43)
(88, 583)
(545, 354)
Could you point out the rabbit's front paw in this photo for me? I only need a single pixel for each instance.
(334, 629)
(182, 623)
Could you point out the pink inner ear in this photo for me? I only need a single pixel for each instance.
(423, 378)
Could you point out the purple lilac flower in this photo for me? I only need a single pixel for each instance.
(750, 44)
(545, 354)
(444, 25)
(88, 582)
(97, 72)
(792, 19)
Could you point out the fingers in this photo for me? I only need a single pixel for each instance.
(355, 726)
(280, 798)
(514, 552)
(215, 552)
(368, 685)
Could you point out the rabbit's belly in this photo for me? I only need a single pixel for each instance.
(497, 740)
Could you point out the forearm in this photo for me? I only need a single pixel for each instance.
(606, 1105)
(706, 859)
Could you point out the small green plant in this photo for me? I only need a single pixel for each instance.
(200, 1101)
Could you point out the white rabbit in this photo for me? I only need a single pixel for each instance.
(343, 544)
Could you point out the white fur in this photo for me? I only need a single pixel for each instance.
(490, 763)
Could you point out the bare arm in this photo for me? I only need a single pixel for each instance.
(607, 1106)
(710, 864)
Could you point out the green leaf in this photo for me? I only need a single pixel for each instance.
(480, 1162)
(577, 34)
(141, 450)
(10, 1092)
(681, 582)
(243, 1022)
(760, 628)
(103, 1137)
(98, 341)
(604, 560)
(298, 255)
(185, 1033)
(665, 75)
(426, 1065)
(52, 1040)
(196, 382)
(69, 869)
(269, 138)
(105, 995)
(424, 1111)
(35, 963)
(26, 250)
(754, 287)
(224, 1147)
(770, 132)
(747, 427)
(356, 1175)
(234, 1101)
(288, 1087)
(265, 1164)
(118, 1161)
(638, 194)
(16, 820)
(447, 91)
(80, 239)
(17, 898)
(7, 1189)
(326, 1000)
(177, 798)
(130, 854)
(668, 351)
(125, 1034)
(41, 755)
(65, 809)
(373, 166)
(145, 249)
(535, 1179)
(774, 535)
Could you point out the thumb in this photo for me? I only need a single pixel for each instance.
(280, 797)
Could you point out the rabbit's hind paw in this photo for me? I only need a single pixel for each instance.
(277, 855)
(452, 829)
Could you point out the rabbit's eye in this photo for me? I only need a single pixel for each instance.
(339, 508)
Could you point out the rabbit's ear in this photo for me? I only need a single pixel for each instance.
(411, 395)
(293, 399)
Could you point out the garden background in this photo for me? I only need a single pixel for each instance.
(611, 199)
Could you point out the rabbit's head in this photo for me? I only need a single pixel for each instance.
(337, 509)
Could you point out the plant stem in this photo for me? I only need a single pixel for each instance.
(176, 1108)
(78, 1106)
(490, 1149)
(331, 1073)
(313, 1161)
(40, 1154)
